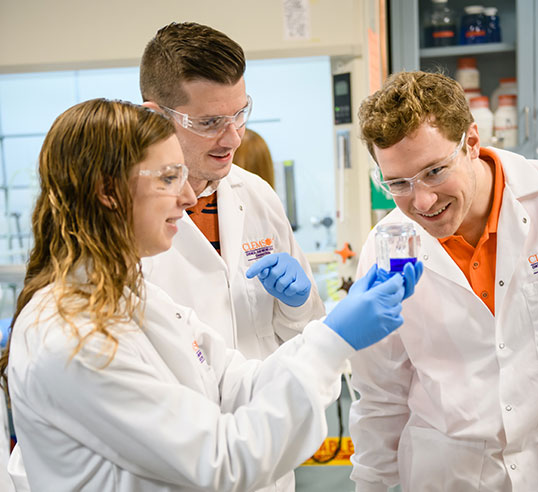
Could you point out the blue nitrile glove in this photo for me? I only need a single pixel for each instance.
(370, 311)
(283, 277)
(411, 275)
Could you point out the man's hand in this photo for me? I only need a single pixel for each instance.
(283, 277)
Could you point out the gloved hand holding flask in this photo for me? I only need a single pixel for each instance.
(372, 308)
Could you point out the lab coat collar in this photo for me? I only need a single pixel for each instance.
(232, 179)
(520, 175)
(209, 189)
(191, 243)
(435, 257)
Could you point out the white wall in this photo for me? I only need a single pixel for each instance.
(292, 111)
(40, 35)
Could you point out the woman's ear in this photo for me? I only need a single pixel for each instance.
(107, 200)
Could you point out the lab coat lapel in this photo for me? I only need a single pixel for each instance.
(511, 236)
(436, 259)
(231, 222)
(520, 181)
(194, 246)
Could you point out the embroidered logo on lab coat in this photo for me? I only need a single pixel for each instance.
(198, 352)
(533, 260)
(254, 250)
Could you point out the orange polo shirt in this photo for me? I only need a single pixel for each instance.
(205, 215)
(478, 263)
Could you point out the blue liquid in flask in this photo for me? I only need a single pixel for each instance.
(397, 264)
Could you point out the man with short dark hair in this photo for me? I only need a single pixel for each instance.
(238, 229)
(448, 402)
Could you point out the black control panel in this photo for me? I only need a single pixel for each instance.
(342, 98)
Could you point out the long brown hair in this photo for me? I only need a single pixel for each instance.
(89, 150)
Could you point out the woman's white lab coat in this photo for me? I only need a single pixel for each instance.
(251, 221)
(449, 401)
(175, 410)
(5, 445)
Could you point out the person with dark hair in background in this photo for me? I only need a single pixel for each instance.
(448, 403)
(115, 387)
(254, 155)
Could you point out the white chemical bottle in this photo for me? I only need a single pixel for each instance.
(506, 85)
(467, 73)
(505, 121)
(483, 118)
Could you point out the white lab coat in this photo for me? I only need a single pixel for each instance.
(449, 401)
(195, 275)
(5, 445)
(175, 410)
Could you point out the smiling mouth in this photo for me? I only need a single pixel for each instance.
(221, 156)
(435, 214)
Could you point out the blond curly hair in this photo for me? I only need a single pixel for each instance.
(406, 101)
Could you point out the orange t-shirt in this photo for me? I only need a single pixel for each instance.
(478, 263)
(206, 217)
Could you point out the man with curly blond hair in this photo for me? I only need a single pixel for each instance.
(448, 402)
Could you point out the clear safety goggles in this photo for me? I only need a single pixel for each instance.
(211, 126)
(167, 181)
(431, 176)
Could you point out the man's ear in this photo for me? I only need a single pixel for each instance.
(473, 141)
(152, 105)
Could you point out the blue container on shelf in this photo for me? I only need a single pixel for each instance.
(473, 25)
(493, 28)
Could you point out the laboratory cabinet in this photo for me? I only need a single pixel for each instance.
(516, 55)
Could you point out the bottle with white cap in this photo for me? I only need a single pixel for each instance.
(483, 118)
(505, 121)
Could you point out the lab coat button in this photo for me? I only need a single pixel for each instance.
(501, 345)
(513, 466)
(178, 316)
(508, 407)
(524, 220)
(241, 207)
(425, 257)
(501, 283)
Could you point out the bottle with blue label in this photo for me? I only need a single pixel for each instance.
(493, 28)
(473, 25)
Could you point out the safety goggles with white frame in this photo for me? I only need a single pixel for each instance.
(211, 126)
(433, 175)
(169, 180)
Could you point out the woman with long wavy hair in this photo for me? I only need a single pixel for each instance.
(113, 386)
